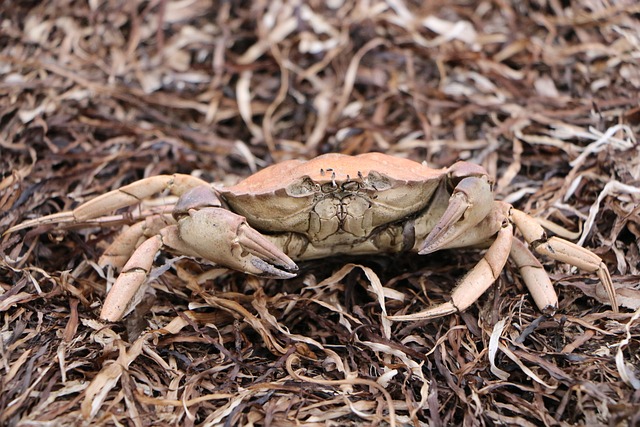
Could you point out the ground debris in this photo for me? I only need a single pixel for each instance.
(95, 95)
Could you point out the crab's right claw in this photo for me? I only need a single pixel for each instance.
(227, 239)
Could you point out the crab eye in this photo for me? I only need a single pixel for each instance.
(377, 181)
(303, 187)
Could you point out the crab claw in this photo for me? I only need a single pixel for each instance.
(227, 239)
(211, 233)
(470, 202)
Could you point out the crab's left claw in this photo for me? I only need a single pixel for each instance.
(470, 202)
(227, 239)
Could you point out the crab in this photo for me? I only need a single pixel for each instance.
(333, 204)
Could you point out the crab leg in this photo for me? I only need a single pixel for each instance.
(122, 295)
(123, 292)
(126, 196)
(134, 193)
(475, 283)
(564, 251)
(535, 277)
(125, 244)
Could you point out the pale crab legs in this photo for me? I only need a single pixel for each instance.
(333, 204)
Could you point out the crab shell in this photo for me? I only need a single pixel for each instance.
(335, 194)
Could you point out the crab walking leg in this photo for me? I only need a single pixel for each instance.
(128, 283)
(56, 218)
(132, 194)
(564, 251)
(128, 195)
(125, 244)
(535, 277)
(475, 283)
(135, 272)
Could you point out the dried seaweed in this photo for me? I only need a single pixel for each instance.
(543, 94)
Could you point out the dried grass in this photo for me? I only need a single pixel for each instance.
(95, 94)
